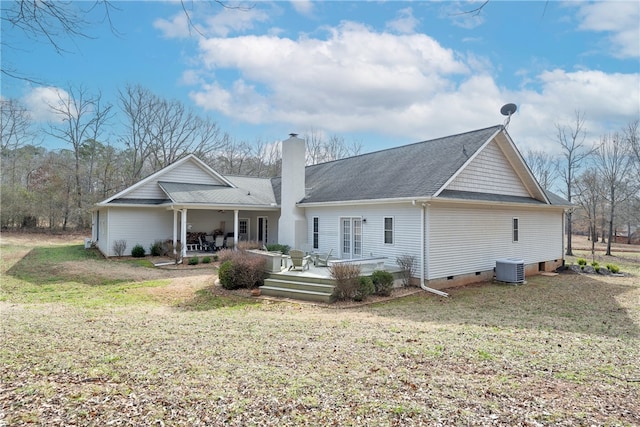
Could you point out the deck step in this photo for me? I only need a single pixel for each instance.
(297, 289)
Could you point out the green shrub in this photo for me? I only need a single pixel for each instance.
(206, 260)
(597, 268)
(194, 260)
(138, 251)
(365, 288)
(276, 247)
(613, 268)
(595, 264)
(157, 248)
(224, 274)
(347, 280)
(581, 261)
(215, 258)
(383, 282)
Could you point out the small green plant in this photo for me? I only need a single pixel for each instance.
(119, 246)
(613, 268)
(597, 268)
(138, 251)
(276, 247)
(383, 282)
(595, 264)
(581, 261)
(206, 260)
(365, 288)
(581, 266)
(215, 258)
(156, 248)
(225, 275)
(194, 260)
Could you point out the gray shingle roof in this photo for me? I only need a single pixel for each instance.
(217, 194)
(415, 170)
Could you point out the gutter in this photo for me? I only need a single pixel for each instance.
(423, 254)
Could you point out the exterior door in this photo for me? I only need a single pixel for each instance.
(263, 233)
(351, 233)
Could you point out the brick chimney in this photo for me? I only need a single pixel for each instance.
(292, 225)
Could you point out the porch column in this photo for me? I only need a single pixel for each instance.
(175, 230)
(236, 225)
(183, 232)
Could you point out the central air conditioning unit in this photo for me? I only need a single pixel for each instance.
(510, 270)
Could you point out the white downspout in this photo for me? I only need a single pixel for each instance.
(175, 231)
(423, 255)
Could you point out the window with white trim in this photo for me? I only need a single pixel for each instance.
(516, 231)
(388, 230)
(316, 232)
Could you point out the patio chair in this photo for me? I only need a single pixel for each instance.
(298, 260)
(323, 260)
(206, 244)
(219, 243)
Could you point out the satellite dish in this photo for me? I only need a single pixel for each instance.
(508, 110)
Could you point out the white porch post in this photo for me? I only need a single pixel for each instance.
(236, 225)
(183, 232)
(175, 230)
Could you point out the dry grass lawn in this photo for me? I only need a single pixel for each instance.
(91, 342)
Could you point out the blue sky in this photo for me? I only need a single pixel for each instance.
(379, 73)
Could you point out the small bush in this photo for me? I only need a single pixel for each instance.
(405, 262)
(595, 264)
(245, 271)
(276, 247)
(168, 248)
(382, 282)
(244, 245)
(597, 268)
(581, 261)
(156, 248)
(365, 288)
(225, 275)
(138, 251)
(194, 260)
(347, 280)
(613, 268)
(119, 246)
(215, 258)
(206, 260)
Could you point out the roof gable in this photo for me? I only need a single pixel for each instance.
(189, 170)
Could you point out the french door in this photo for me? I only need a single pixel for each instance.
(262, 229)
(351, 233)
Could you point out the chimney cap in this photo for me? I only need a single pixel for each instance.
(293, 135)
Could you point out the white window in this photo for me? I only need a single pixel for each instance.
(388, 230)
(316, 232)
(516, 230)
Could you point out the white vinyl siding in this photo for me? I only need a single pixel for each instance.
(470, 239)
(490, 172)
(406, 229)
(139, 226)
(188, 172)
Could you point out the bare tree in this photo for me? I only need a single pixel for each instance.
(320, 150)
(543, 166)
(572, 141)
(82, 117)
(614, 163)
(16, 132)
(589, 196)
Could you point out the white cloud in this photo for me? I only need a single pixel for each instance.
(39, 101)
(404, 86)
(201, 22)
(618, 18)
(405, 22)
(303, 7)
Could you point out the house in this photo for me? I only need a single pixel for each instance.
(455, 204)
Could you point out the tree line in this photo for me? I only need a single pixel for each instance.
(55, 189)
